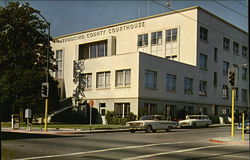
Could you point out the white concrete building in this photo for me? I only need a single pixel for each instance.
(158, 64)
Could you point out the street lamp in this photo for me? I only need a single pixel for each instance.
(47, 73)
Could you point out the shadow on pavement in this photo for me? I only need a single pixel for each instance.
(12, 136)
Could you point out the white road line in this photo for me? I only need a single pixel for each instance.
(97, 151)
(165, 153)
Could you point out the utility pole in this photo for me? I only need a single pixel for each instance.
(47, 72)
(231, 80)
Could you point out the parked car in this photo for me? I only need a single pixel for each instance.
(246, 126)
(151, 123)
(195, 121)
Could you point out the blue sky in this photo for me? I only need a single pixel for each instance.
(73, 16)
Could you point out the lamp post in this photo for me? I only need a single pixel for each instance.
(47, 73)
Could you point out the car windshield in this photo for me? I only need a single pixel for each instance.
(147, 118)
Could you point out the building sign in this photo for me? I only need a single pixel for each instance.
(104, 32)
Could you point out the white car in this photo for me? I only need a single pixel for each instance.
(151, 123)
(195, 121)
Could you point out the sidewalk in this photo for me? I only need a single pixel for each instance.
(237, 140)
(61, 131)
(65, 131)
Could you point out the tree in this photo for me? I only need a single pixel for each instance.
(23, 60)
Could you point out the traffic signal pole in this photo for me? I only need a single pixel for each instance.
(232, 120)
(46, 115)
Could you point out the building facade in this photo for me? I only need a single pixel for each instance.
(160, 64)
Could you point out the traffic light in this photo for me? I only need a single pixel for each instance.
(45, 89)
(231, 77)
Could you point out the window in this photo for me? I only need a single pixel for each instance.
(122, 78)
(235, 48)
(150, 109)
(150, 79)
(215, 54)
(203, 88)
(188, 85)
(156, 37)
(203, 34)
(226, 43)
(87, 80)
(170, 82)
(59, 64)
(225, 68)
(215, 79)
(189, 109)
(244, 51)
(236, 93)
(244, 95)
(203, 61)
(122, 109)
(225, 91)
(244, 73)
(171, 112)
(142, 40)
(103, 80)
(171, 35)
(93, 50)
(236, 68)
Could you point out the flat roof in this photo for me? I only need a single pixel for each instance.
(153, 16)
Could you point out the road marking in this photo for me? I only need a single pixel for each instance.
(97, 151)
(165, 153)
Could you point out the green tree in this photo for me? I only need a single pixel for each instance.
(23, 60)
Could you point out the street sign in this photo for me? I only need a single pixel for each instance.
(91, 103)
(28, 113)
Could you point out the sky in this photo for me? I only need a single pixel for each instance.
(68, 17)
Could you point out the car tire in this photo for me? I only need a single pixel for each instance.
(194, 125)
(206, 125)
(148, 129)
(132, 131)
(168, 129)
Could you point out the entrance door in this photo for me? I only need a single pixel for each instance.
(102, 111)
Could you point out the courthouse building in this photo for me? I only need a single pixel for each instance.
(159, 64)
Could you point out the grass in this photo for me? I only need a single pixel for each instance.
(73, 126)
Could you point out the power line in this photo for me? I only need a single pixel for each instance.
(230, 8)
(195, 20)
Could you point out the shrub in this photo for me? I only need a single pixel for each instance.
(215, 119)
(112, 118)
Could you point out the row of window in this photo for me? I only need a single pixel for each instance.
(151, 83)
(226, 43)
(225, 68)
(93, 50)
(156, 37)
(122, 79)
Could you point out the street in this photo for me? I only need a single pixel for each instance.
(177, 144)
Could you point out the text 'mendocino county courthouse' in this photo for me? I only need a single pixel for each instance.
(159, 64)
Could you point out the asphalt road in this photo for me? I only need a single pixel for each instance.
(177, 144)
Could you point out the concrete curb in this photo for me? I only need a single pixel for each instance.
(228, 142)
(64, 132)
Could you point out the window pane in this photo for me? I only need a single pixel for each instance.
(101, 49)
(119, 78)
(107, 79)
(127, 77)
(93, 51)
